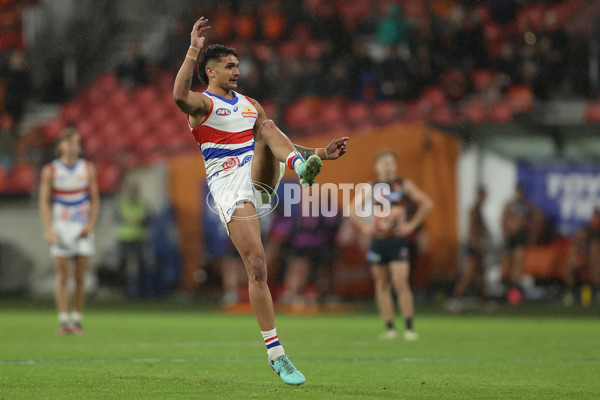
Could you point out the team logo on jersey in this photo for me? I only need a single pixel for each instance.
(249, 112)
(223, 112)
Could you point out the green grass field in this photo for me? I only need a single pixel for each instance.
(166, 351)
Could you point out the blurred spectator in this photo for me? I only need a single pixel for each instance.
(18, 87)
(552, 51)
(177, 44)
(246, 21)
(392, 29)
(7, 142)
(584, 253)
(468, 48)
(309, 252)
(131, 69)
(516, 217)
(133, 217)
(474, 267)
(274, 21)
(503, 11)
(327, 25)
(393, 76)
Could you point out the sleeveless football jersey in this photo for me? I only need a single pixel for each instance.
(70, 191)
(386, 225)
(226, 136)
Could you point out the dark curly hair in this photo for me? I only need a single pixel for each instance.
(212, 52)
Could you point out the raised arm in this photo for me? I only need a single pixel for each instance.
(191, 103)
(44, 204)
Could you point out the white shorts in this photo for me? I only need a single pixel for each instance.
(237, 188)
(70, 243)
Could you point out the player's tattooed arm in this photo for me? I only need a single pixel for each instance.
(335, 149)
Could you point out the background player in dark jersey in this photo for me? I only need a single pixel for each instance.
(474, 267)
(515, 222)
(388, 253)
(584, 253)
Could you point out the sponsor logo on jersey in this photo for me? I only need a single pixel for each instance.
(235, 109)
(230, 163)
(249, 112)
(223, 112)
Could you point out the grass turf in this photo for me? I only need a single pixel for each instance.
(148, 352)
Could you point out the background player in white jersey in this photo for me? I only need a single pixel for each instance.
(69, 204)
(388, 254)
(243, 154)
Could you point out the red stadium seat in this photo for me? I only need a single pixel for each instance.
(107, 82)
(3, 178)
(592, 113)
(414, 111)
(52, 129)
(21, 179)
(385, 112)
(109, 175)
(146, 97)
(443, 116)
(482, 79)
(520, 98)
(119, 99)
(71, 112)
(331, 114)
(301, 114)
(358, 113)
(473, 112)
(500, 113)
(435, 96)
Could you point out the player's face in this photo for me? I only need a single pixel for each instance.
(226, 72)
(71, 147)
(385, 167)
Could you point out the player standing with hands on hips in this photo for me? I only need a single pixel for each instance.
(69, 204)
(245, 155)
(388, 253)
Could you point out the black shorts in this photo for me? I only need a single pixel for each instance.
(384, 251)
(515, 240)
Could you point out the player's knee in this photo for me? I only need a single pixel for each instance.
(401, 285)
(257, 270)
(267, 126)
(62, 279)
